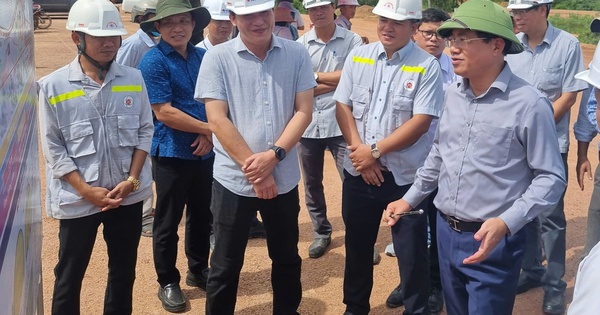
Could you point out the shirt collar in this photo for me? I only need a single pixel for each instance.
(77, 74)
(501, 83)
(168, 49)
(445, 63)
(345, 20)
(401, 53)
(146, 38)
(239, 45)
(550, 35)
(312, 34)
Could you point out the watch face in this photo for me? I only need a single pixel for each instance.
(376, 154)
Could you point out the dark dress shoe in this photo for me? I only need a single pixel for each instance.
(172, 298)
(197, 280)
(554, 302)
(396, 298)
(525, 284)
(436, 301)
(318, 246)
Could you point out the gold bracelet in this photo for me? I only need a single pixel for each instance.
(134, 181)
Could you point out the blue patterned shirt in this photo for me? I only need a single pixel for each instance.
(171, 78)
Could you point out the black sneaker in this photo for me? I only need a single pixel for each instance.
(194, 280)
(396, 298)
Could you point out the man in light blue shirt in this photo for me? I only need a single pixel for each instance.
(494, 159)
(258, 90)
(328, 45)
(388, 94)
(550, 61)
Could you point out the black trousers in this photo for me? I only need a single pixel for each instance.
(232, 219)
(362, 207)
(122, 228)
(181, 184)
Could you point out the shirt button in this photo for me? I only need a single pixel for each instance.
(268, 123)
(264, 82)
(468, 124)
(455, 172)
(269, 143)
(451, 197)
(266, 102)
(462, 148)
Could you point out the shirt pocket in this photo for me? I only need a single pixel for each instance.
(127, 130)
(79, 139)
(402, 109)
(360, 97)
(552, 82)
(492, 144)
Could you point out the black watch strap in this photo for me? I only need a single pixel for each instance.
(279, 152)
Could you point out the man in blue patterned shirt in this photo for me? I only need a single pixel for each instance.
(181, 150)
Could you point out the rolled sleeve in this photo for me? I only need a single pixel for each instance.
(583, 128)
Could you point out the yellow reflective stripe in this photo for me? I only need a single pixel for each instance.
(368, 61)
(65, 96)
(406, 68)
(127, 88)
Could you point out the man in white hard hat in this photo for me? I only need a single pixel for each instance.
(182, 155)
(550, 61)
(96, 129)
(586, 294)
(347, 12)
(130, 54)
(427, 38)
(388, 94)
(328, 46)
(258, 90)
(219, 28)
(137, 45)
(494, 160)
(298, 22)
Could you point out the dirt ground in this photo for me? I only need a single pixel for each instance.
(321, 278)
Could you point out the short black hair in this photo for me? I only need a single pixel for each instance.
(433, 15)
(507, 43)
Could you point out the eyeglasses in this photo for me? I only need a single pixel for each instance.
(460, 42)
(518, 12)
(428, 34)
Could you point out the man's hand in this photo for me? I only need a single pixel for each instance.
(390, 214)
(202, 145)
(583, 167)
(103, 198)
(259, 166)
(266, 189)
(490, 233)
(372, 175)
(361, 157)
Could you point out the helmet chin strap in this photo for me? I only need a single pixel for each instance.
(81, 48)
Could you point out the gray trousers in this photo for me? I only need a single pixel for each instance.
(548, 233)
(593, 219)
(311, 153)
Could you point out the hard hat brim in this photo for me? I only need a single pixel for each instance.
(253, 9)
(318, 4)
(585, 76)
(377, 10)
(105, 33)
(200, 15)
(482, 25)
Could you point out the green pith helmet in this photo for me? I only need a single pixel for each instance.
(484, 16)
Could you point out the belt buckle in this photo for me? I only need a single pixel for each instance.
(453, 223)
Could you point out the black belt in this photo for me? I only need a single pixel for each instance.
(461, 226)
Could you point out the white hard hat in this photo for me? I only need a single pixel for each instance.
(217, 9)
(347, 2)
(98, 18)
(243, 7)
(526, 4)
(315, 3)
(142, 8)
(592, 75)
(399, 10)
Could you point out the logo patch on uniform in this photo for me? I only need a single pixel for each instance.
(128, 101)
(409, 85)
(389, 6)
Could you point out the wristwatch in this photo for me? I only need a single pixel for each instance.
(279, 152)
(134, 181)
(316, 76)
(374, 151)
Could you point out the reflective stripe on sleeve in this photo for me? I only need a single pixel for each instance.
(65, 96)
